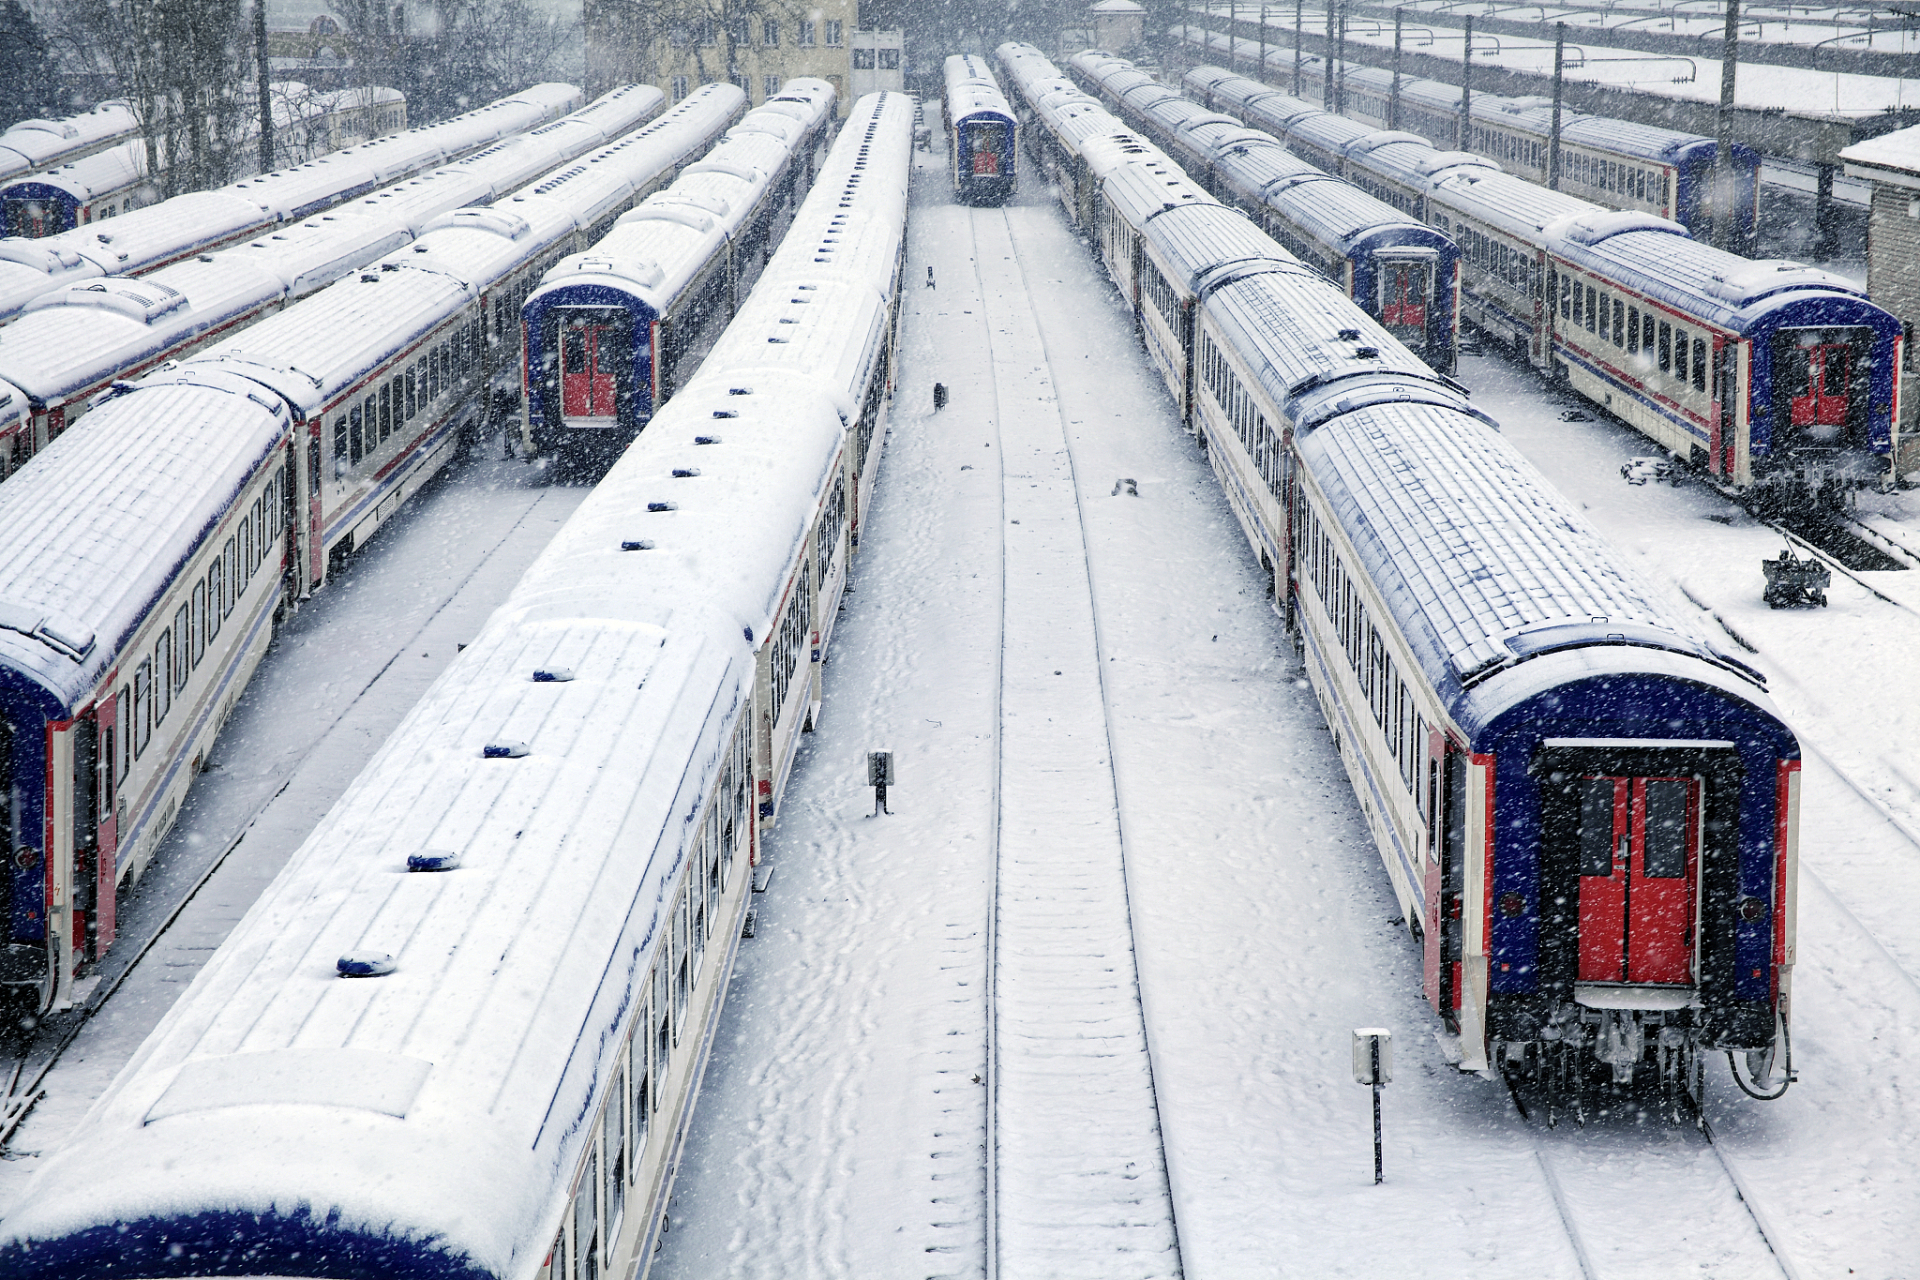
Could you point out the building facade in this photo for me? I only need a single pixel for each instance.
(1892, 164)
(680, 45)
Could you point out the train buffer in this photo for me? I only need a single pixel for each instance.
(1796, 584)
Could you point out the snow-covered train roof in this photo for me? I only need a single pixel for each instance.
(103, 520)
(1484, 565)
(1514, 205)
(121, 165)
(1629, 137)
(654, 251)
(474, 1064)
(1417, 166)
(151, 237)
(1327, 134)
(28, 145)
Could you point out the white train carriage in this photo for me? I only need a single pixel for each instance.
(142, 577)
(95, 187)
(199, 222)
(613, 331)
(983, 144)
(385, 370)
(567, 807)
(71, 344)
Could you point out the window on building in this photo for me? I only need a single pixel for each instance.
(679, 87)
(807, 30)
(708, 35)
(770, 33)
(863, 59)
(769, 86)
(834, 29)
(889, 59)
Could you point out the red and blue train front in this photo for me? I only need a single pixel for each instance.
(590, 379)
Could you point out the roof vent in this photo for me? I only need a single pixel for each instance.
(739, 391)
(511, 750)
(726, 413)
(661, 506)
(637, 544)
(1349, 335)
(706, 439)
(685, 473)
(364, 964)
(433, 860)
(553, 675)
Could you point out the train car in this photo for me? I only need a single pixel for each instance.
(1774, 379)
(1619, 164)
(207, 482)
(72, 344)
(98, 186)
(542, 875)
(982, 133)
(199, 222)
(612, 332)
(32, 145)
(1401, 270)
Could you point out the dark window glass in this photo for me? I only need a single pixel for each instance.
(142, 705)
(1596, 826)
(1666, 347)
(1700, 364)
(162, 672)
(355, 449)
(1680, 354)
(1633, 330)
(1665, 840)
(1593, 310)
(183, 647)
(216, 598)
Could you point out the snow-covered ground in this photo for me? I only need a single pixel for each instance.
(844, 1122)
(337, 680)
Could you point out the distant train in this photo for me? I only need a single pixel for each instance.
(1399, 270)
(116, 180)
(72, 344)
(1619, 164)
(613, 331)
(461, 1033)
(1589, 812)
(1776, 380)
(31, 145)
(982, 133)
(152, 548)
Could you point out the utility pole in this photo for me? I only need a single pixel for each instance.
(263, 80)
(1263, 43)
(1340, 77)
(1326, 94)
(1393, 97)
(1299, 22)
(1466, 91)
(1723, 222)
(1559, 91)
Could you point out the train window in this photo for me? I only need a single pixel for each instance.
(199, 623)
(354, 441)
(1619, 323)
(182, 645)
(1666, 347)
(1596, 826)
(123, 713)
(162, 670)
(386, 411)
(340, 463)
(259, 547)
(246, 551)
(1664, 839)
(1566, 292)
(614, 1133)
(142, 705)
(370, 438)
(586, 1223)
(663, 1030)
(1700, 364)
(640, 1102)
(1593, 309)
(216, 596)
(1633, 331)
(682, 971)
(413, 404)
(1680, 353)
(230, 560)
(1578, 311)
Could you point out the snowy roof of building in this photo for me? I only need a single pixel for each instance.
(1891, 157)
(1112, 8)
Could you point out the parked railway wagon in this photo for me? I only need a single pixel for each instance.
(32, 145)
(1588, 811)
(1619, 164)
(1399, 269)
(613, 331)
(982, 133)
(72, 344)
(542, 874)
(153, 546)
(1777, 380)
(201, 221)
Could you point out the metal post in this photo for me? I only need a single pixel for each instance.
(1466, 91)
(1233, 36)
(1723, 132)
(263, 80)
(1559, 92)
(1827, 242)
(1326, 93)
(1298, 23)
(1393, 97)
(1263, 44)
(1378, 1176)
(1340, 77)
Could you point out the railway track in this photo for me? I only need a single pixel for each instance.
(1077, 1181)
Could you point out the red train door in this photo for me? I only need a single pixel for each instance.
(1639, 857)
(588, 356)
(1817, 384)
(1405, 288)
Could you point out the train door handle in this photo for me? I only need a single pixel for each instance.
(1624, 854)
